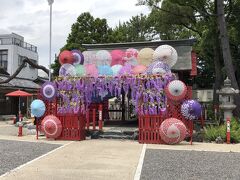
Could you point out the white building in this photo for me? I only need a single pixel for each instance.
(13, 49)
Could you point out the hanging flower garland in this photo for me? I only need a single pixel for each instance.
(145, 91)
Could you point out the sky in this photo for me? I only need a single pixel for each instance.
(30, 19)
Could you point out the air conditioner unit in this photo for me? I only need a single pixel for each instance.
(205, 95)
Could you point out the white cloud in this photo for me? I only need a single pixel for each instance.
(31, 19)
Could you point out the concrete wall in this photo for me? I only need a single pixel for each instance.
(13, 52)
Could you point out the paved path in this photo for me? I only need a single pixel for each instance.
(90, 159)
(115, 159)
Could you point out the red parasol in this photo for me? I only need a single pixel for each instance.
(51, 126)
(19, 94)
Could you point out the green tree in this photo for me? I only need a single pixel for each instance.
(176, 19)
(138, 28)
(90, 30)
(86, 30)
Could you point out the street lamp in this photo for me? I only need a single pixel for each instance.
(50, 2)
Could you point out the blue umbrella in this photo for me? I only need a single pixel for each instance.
(38, 108)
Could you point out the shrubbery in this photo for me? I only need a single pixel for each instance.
(212, 132)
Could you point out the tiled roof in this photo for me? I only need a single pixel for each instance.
(19, 83)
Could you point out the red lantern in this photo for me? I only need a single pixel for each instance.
(66, 57)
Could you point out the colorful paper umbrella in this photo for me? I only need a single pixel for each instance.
(166, 54)
(126, 70)
(52, 126)
(49, 91)
(176, 90)
(89, 57)
(139, 69)
(80, 70)
(77, 57)
(145, 56)
(117, 57)
(191, 110)
(103, 57)
(38, 108)
(67, 70)
(91, 70)
(130, 56)
(173, 131)
(105, 70)
(65, 57)
(158, 67)
(116, 69)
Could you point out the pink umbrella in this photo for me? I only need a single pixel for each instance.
(117, 57)
(51, 126)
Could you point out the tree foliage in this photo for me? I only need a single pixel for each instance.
(177, 19)
(90, 30)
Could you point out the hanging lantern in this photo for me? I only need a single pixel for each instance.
(176, 90)
(172, 131)
(191, 109)
(49, 91)
(51, 126)
(167, 54)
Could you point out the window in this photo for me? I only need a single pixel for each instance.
(20, 60)
(34, 61)
(4, 59)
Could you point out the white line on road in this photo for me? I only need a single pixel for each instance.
(29, 162)
(140, 163)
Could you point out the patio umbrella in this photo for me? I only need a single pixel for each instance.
(18, 94)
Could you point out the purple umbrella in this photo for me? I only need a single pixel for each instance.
(191, 109)
(78, 57)
(49, 91)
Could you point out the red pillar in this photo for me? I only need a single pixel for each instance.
(94, 119)
(100, 122)
(228, 131)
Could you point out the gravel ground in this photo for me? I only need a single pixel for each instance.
(16, 153)
(194, 165)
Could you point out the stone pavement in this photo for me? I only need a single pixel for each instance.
(102, 159)
(90, 159)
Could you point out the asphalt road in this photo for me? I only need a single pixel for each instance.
(194, 165)
(16, 153)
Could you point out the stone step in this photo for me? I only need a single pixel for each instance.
(127, 137)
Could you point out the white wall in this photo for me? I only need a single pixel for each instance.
(26, 72)
(13, 52)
